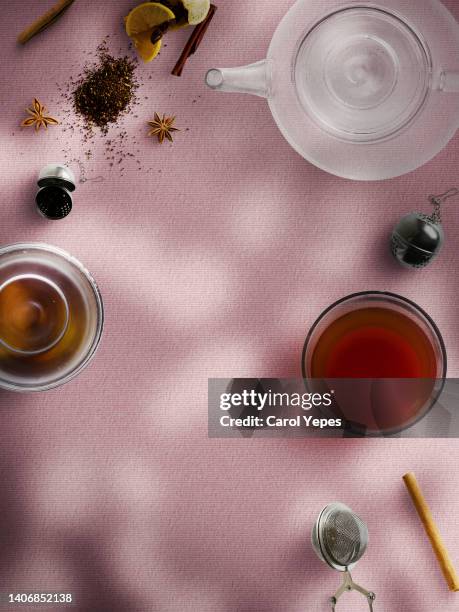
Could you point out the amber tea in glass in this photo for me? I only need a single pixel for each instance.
(51, 317)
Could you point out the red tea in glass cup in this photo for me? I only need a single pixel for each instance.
(389, 347)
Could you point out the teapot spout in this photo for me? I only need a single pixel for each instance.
(254, 79)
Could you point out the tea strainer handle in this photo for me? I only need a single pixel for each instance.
(370, 598)
(350, 585)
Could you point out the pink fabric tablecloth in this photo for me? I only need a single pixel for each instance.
(214, 260)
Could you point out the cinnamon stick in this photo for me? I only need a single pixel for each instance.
(44, 21)
(194, 41)
(432, 531)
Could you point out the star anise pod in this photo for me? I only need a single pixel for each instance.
(162, 127)
(38, 117)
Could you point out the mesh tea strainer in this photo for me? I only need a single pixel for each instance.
(340, 539)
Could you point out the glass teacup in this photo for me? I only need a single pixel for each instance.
(51, 317)
(383, 357)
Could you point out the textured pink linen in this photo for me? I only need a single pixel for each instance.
(214, 263)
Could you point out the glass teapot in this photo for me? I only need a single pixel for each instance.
(365, 91)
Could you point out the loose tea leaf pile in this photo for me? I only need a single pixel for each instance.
(106, 91)
(98, 107)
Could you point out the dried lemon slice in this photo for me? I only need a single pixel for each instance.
(144, 47)
(147, 16)
(197, 10)
(141, 23)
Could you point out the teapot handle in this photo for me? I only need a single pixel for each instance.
(448, 82)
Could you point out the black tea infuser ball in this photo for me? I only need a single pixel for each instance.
(417, 238)
(54, 199)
